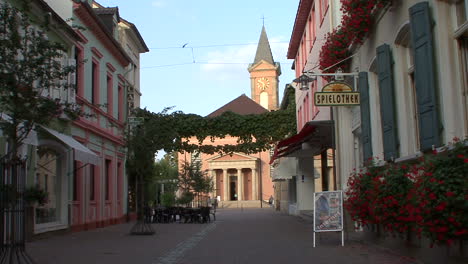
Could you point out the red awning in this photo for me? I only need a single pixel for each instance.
(318, 134)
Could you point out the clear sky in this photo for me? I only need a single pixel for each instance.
(223, 36)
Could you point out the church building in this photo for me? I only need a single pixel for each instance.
(244, 178)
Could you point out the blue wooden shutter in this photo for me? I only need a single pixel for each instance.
(424, 75)
(366, 136)
(387, 105)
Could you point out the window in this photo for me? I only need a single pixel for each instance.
(48, 174)
(312, 27)
(296, 64)
(92, 182)
(406, 71)
(304, 50)
(95, 82)
(264, 100)
(79, 57)
(110, 94)
(120, 107)
(107, 177)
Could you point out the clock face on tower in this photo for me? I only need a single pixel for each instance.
(263, 83)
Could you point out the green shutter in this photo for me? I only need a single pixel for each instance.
(424, 75)
(366, 136)
(387, 105)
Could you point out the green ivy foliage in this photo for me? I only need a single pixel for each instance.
(255, 133)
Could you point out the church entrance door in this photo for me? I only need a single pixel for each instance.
(233, 188)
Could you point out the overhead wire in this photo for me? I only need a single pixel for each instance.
(201, 62)
(186, 46)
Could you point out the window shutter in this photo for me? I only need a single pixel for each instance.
(366, 136)
(424, 75)
(387, 106)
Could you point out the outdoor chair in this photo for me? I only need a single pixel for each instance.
(186, 215)
(205, 214)
(196, 215)
(213, 212)
(166, 215)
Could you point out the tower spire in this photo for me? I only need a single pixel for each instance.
(263, 49)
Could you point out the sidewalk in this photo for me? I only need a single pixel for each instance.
(238, 237)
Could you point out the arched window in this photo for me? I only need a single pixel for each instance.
(404, 70)
(264, 99)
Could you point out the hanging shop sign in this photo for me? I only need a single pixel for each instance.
(337, 94)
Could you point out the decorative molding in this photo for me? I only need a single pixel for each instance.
(97, 52)
(84, 40)
(121, 78)
(110, 67)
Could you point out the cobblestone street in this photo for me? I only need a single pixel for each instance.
(238, 236)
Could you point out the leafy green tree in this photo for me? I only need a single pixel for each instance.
(30, 65)
(165, 173)
(193, 180)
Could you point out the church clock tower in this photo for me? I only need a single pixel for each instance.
(264, 73)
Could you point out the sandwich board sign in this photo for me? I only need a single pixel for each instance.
(328, 213)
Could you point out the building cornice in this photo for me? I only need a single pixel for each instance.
(302, 15)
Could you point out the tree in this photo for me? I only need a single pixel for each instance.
(194, 182)
(165, 174)
(30, 66)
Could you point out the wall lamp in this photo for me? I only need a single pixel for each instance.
(304, 81)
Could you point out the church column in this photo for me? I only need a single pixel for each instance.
(240, 185)
(213, 180)
(254, 184)
(225, 186)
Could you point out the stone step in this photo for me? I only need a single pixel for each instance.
(241, 204)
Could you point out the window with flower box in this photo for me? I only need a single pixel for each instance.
(405, 72)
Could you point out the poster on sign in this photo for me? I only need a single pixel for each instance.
(328, 212)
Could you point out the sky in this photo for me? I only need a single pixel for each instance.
(200, 50)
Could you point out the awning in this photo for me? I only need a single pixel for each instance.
(314, 137)
(81, 152)
(285, 169)
(30, 139)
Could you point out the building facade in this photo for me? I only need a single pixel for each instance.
(305, 161)
(81, 163)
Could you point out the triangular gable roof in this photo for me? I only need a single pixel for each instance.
(242, 105)
(227, 157)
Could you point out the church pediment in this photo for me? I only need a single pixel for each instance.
(262, 65)
(233, 157)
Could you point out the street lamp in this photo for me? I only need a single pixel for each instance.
(339, 75)
(304, 81)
